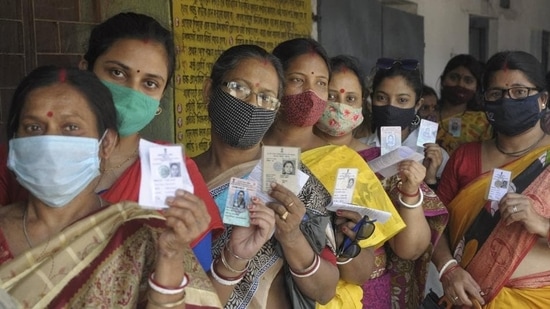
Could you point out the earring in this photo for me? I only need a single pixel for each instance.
(159, 111)
(416, 121)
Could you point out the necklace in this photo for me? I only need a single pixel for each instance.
(131, 156)
(25, 227)
(520, 152)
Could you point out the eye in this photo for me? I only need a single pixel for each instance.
(403, 100)
(295, 81)
(322, 83)
(380, 98)
(469, 80)
(117, 73)
(151, 84)
(351, 99)
(32, 128)
(332, 96)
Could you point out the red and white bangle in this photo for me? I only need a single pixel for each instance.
(309, 271)
(225, 280)
(418, 204)
(157, 287)
(344, 262)
(445, 266)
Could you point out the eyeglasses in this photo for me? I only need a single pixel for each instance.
(242, 92)
(515, 93)
(405, 64)
(363, 230)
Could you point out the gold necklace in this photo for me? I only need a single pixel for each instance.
(25, 227)
(132, 155)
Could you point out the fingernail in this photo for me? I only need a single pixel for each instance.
(344, 228)
(180, 192)
(339, 212)
(273, 184)
(251, 206)
(169, 200)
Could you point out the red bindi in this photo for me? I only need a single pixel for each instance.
(256, 85)
(62, 75)
(342, 90)
(146, 41)
(344, 70)
(49, 114)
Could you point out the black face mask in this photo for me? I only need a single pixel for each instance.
(239, 124)
(388, 115)
(512, 117)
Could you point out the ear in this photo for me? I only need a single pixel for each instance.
(543, 100)
(418, 105)
(108, 144)
(206, 88)
(83, 65)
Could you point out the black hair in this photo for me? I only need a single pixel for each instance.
(343, 62)
(290, 49)
(412, 77)
(231, 58)
(427, 90)
(129, 25)
(516, 60)
(96, 93)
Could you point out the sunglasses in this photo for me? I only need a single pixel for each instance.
(405, 64)
(363, 230)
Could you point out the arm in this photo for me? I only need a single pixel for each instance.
(320, 283)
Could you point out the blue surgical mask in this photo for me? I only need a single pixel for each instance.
(512, 117)
(54, 168)
(134, 109)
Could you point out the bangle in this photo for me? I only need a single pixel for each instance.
(344, 262)
(225, 280)
(166, 305)
(310, 271)
(405, 193)
(231, 269)
(413, 205)
(445, 266)
(234, 255)
(155, 286)
(449, 271)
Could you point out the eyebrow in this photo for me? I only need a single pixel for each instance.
(124, 66)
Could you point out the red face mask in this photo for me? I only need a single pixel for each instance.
(303, 109)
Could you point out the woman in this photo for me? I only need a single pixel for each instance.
(307, 73)
(429, 109)
(460, 120)
(67, 247)
(495, 251)
(405, 255)
(243, 97)
(135, 57)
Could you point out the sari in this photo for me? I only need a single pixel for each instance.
(395, 282)
(324, 162)
(101, 261)
(253, 290)
(474, 128)
(491, 251)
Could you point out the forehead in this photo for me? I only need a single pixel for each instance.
(148, 56)
(57, 100)
(255, 71)
(509, 78)
(462, 70)
(345, 78)
(308, 63)
(395, 85)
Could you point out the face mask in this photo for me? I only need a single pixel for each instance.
(54, 168)
(134, 109)
(238, 123)
(512, 117)
(304, 109)
(457, 95)
(388, 116)
(339, 119)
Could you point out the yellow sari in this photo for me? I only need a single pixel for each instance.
(324, 162)
(493, 263)
(474, 128)
(101, 261)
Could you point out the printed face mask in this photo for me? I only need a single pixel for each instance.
(512, 117)
(340, 119)
(134, 109)
(54, 168)
(238, 123)
(302, 110)
(457, 95)
(388, 115)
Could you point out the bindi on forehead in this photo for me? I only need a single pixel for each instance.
(146, 41)
(342, 90)
(138, 71)
(49, 114)
(257, 85)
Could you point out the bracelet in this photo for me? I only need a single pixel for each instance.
(405, 193)
(310, 271)
(420, 201)
(344, 262)
(449, 262)
(231, 269)
(234, 255)
(166, 305)
(155, 286)
(225, 280)
(449, 271)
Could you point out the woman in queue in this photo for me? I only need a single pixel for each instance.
(400, 265)
(496, 243)
(66, 247)
(307, 73)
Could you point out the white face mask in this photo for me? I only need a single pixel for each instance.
(54, 168)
